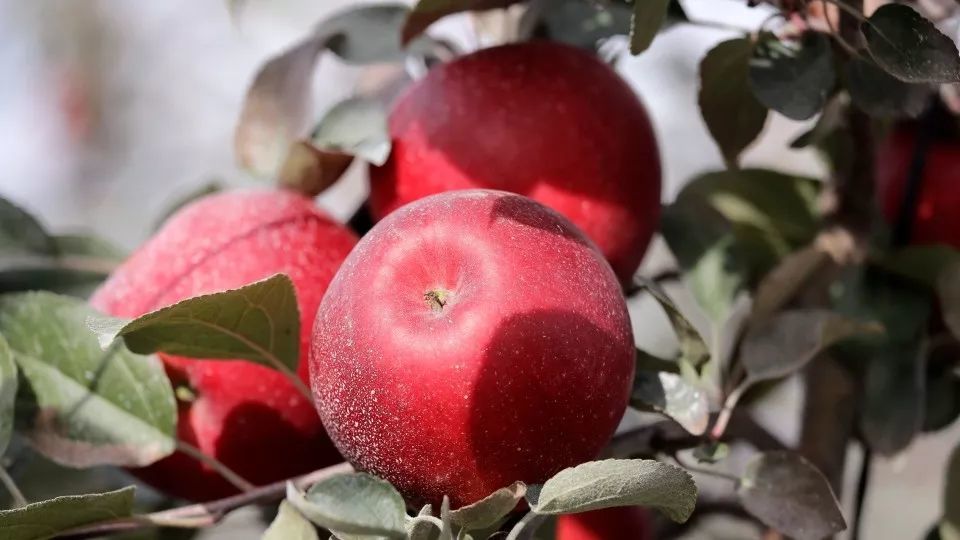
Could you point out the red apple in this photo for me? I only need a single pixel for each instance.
(541, 119)
(936, 219)
(472, 339)
(248, 416)
(620, 523)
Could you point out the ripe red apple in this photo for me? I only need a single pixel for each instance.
(248, 416)
(541, 119)
(471, 339)
(620, 523)
(936, 219)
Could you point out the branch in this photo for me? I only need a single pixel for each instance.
(204, 514)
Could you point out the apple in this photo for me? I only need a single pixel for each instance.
(541, 119)
(247, 416)
(471, 339)
(935, 219)
(619, 523)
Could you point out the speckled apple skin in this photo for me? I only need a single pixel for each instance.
(620, 523)
(248, 416)
(937, 216)
(541, 119)
(525, 370)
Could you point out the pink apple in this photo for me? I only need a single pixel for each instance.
(471, 339)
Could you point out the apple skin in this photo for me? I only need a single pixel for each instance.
(619, 523)
(248, 416)
(525, 369)
(936, 219)
(541, 119)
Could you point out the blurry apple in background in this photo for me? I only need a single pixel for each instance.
(472, 339)
(247, 416)
(540, 119)
(621, 523)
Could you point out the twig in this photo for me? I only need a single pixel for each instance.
(205, 514)
(11, 486)
(227, 473)
(723, 419)
(863, 484)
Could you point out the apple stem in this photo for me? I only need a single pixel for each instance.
(228, 474)
(436, 299)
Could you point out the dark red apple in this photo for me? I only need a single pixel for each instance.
(620, 523)
(541, 119)
(248, 416)
(471, 339)
(936, 219)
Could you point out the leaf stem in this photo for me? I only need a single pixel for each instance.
(11, 487)
(208, 513)
(227, 473)
(863, 484)
(723, 419)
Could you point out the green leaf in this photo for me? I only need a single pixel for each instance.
(290, 525)
(8, 393)
(617, 482)
(427, 12)
(259, 322)
(356, 126)
(79, 405)
(893, 396)
(703, 242)
(648, 17)
(786, 492)
(446, 530)
(922, 264)
(733, 115)
(791, 339)
(711, 452)
(356, 503)
(948, 291)
(693, 350)
(582, 24)
(488, 511)
(371, 34)
(42, 520)
(910, 47)
(793, 78)
(882, 95)
(672, 395)
(20, 232)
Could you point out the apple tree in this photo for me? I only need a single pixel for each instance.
(850, 281)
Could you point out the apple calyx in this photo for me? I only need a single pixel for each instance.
(436, 299)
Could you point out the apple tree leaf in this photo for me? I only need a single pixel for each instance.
(46, 519)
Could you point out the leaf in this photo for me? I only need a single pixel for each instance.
(446, 530)
(290, 525)
(355, 503)
(923, 264)
(786, 492)
(356, 126)
(20, 232)
(910, 47)
(617, 482)
(705, 247)
(648, 17)
(793, 78)
(781, 284)
(491, 509)
(948, 291)
(893, 396)
(879, 94)
(371, 34)
(711, 452)
(733, 115)
(791, 339)
(693, 350)
(427, 12)
(79, 405)
(259, 322)
(579, 23)
(8, 393)
(418, 529)
(46, 519)
(310, 170)
(670, 394)
(831, 118)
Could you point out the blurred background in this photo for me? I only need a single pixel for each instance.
(112, 110)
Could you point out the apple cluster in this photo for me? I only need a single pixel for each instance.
(477, 335)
